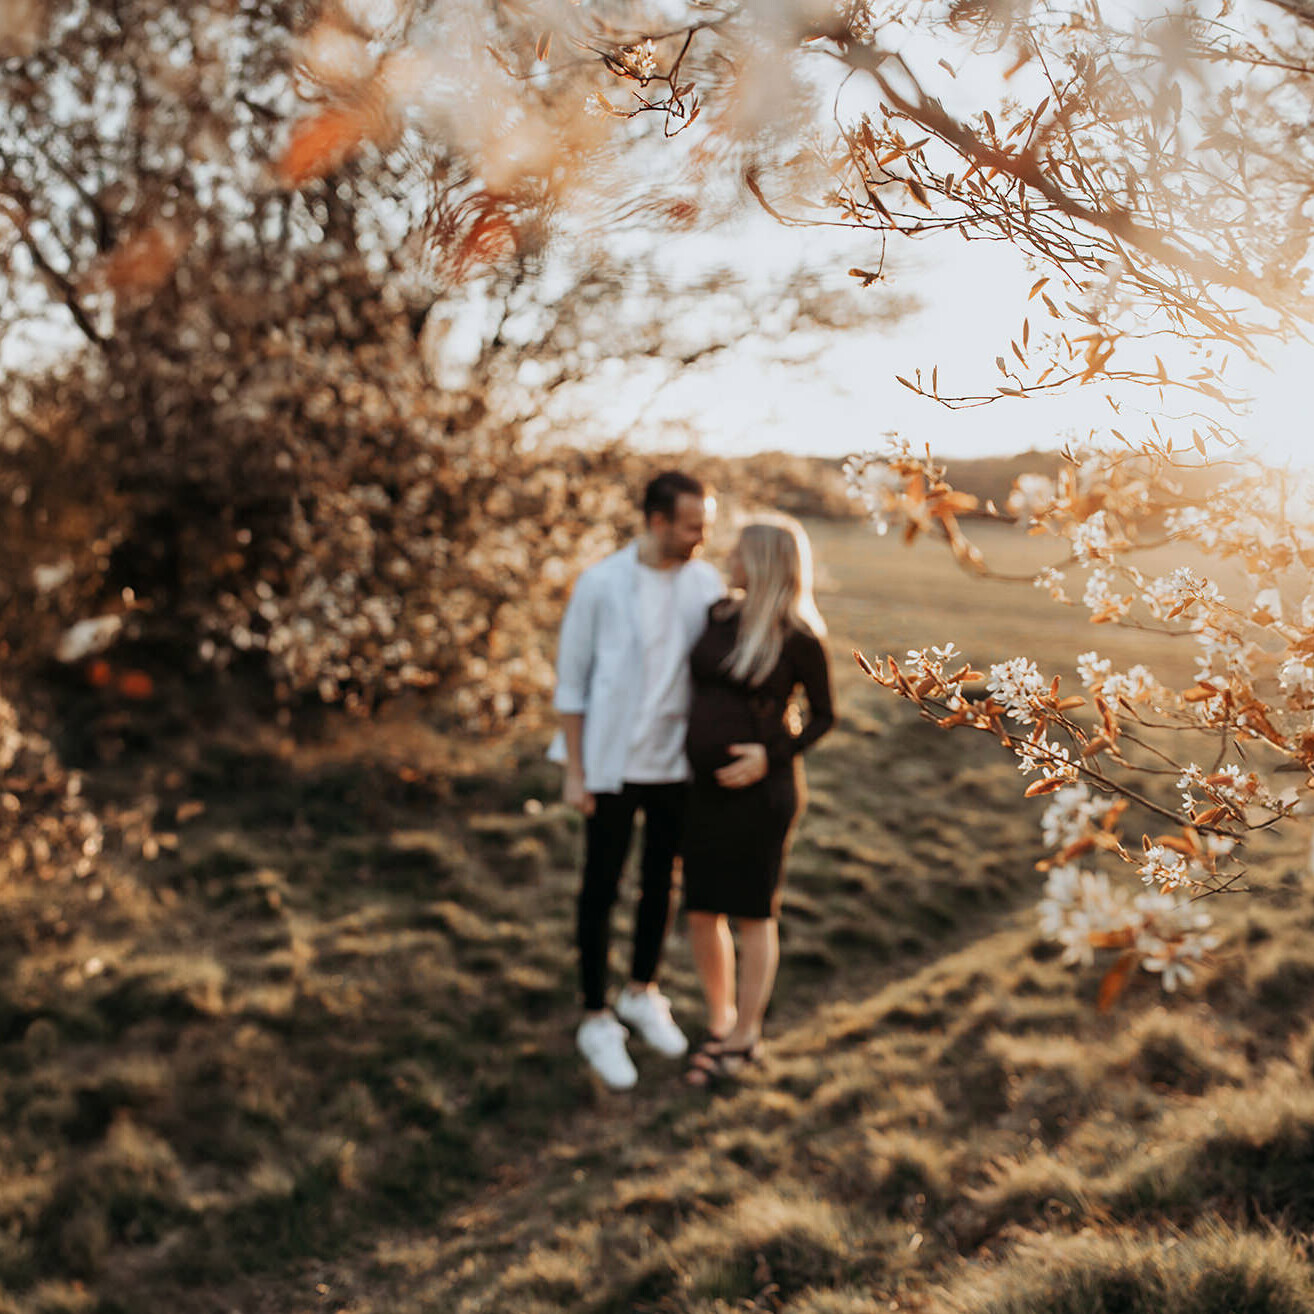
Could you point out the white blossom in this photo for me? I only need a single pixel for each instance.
(924, 662)
(1229, 784)
(1016, 684)
(11, 737)
(1296, 676)
(1221, 647)
(87, 637)
(1084, 911)
(49, 578)
(1032, 496)
(1268, 602)
(1173, 971)
(1135, 685)
(1052, 760)
(1090, 539)
(1168, 592)
(1093, 670)
(877, 485)
(1102, 599)
(1193, 522)
(1165, 868)
(641, 60)
(1080, 906)
(1051, 580)
(1073, 812)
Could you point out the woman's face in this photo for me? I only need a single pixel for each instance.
(735, 565)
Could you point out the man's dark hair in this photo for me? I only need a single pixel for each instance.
(664, 491)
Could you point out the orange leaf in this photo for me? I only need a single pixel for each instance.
(1110, 721)
(1073, 700)
(135, 684)
(491, 238)
(1184, 847)
(1110, 939)
(1255, 719)
(1111, 817)
(1077, 848)
(1038, 787)
(99, 673)
(957, 503)
(143, 262)
(1096, 745)
(1115, 981)
(320, 144)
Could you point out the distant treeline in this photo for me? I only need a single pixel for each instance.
(814, 486)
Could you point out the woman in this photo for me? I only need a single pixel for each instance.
(759, 646)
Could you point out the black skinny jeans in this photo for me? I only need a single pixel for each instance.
(606, 843)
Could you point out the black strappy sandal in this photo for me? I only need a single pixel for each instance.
(705, 1051)
(713, 1064)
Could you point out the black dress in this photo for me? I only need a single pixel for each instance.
(734, 839)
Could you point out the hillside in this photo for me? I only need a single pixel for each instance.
(316, 1053)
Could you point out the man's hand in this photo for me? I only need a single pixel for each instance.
(748, 769)
(576, 796)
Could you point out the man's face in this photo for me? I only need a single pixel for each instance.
(681, 536)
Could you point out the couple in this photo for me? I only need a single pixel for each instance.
(675, 700)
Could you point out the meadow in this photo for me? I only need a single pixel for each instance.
(316, 1051)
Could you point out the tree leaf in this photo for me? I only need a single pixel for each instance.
(1115, 981)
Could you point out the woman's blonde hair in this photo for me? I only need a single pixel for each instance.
(777, 561)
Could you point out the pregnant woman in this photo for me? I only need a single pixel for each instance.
(760, 645)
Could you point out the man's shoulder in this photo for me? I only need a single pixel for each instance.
(600, 571)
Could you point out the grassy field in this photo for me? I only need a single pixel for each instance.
(318, 1054)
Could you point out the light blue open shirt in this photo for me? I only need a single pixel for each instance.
(600, 657)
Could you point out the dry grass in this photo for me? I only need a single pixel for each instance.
(1209, 1270)
(323, 1059)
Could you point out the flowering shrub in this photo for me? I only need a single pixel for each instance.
(46, 829)
(1248, 708)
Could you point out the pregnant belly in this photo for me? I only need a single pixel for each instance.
(713, 726)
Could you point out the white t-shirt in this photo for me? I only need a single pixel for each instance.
(657, 734)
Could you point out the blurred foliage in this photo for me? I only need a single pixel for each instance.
(282, 423)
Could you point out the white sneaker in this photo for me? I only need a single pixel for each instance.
(649, 1013)
(602, 1041)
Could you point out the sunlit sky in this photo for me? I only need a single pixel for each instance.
(973, 298)
(802, 392)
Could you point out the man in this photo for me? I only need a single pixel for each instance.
(623, 693)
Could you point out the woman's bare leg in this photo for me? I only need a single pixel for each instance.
(714, 957)
(759, 956)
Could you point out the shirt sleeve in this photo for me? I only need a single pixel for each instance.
(813, 670)
(575, 648)
(713, 583)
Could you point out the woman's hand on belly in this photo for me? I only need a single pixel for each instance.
(749, 766)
